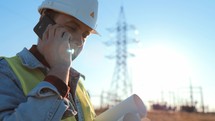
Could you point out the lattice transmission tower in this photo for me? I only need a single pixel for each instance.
(121, 85)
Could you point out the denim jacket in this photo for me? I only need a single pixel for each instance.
(37, 105)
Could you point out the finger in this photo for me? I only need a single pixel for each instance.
(69, 48)
(62, 34)
(60, 31)
(46, 32)
(66, 36)
(54, 30)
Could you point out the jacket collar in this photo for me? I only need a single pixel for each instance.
(29, 60)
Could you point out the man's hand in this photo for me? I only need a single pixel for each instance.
(54, 46)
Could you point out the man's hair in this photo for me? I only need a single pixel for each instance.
(50, 13)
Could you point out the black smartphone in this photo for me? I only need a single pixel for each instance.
(41, 26)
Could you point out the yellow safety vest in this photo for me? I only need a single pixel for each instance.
(35, 76)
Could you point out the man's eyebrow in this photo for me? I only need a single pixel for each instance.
(77, 24)
(72, 21)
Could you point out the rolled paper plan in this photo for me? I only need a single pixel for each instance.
(130, 117)
(132, 104)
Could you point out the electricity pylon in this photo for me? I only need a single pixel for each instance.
(121, 85)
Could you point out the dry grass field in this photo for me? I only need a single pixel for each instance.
(174, 116)
(179, 116)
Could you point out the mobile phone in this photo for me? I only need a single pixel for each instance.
(41, 26)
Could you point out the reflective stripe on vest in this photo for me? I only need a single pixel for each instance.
(35, 76)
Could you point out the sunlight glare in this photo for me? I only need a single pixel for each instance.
(159, 67)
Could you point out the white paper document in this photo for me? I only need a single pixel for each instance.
(131, 109)
(130, 117)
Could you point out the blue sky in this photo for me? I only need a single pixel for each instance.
(176, 45)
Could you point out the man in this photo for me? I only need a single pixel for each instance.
(39, 84)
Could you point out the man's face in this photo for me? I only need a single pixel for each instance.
(77, 29)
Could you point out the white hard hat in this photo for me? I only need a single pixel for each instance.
(84, 10)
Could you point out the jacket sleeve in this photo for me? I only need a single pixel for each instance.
(43, 103)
